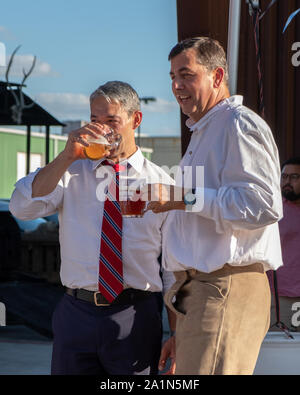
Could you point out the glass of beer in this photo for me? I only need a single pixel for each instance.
(130, 203)
(98, 146)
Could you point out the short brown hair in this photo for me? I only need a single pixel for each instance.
(210, 53)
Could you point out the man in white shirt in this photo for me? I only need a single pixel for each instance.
(221, 234)
(109, 320)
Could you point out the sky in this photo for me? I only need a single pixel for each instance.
(80, 45)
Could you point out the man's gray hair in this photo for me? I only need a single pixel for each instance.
(119, 92)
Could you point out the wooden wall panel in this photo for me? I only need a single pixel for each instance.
(281, 79)
(201, 18)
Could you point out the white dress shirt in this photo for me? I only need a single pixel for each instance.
(236, 223)
(76, 198)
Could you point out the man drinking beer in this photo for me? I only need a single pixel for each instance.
(109, 319)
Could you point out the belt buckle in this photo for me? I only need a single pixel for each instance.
(96, 302)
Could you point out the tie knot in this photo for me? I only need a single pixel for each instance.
(116, 166)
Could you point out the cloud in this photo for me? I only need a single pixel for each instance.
(21, 62)
(6, 34)
(160, 106)
(65, 106)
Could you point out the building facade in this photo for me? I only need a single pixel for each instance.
(164, 151)
(13, 155)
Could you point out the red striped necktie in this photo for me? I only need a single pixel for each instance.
(110, 263)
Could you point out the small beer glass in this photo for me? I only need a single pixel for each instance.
(98, 146)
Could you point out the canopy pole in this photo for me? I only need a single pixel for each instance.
(28, 141)
(233, 44)
(47, 143)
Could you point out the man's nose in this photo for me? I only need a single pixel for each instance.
(177, 85)
(285, 184)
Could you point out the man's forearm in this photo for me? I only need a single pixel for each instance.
(47, 178)
(171, 319)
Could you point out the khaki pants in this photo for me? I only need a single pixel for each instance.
(222, 319)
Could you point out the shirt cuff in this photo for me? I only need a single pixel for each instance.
(205, 197)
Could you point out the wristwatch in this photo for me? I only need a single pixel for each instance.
(189, 197)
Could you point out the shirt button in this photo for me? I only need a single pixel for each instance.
(190, 152)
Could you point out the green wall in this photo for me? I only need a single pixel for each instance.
(10, 145)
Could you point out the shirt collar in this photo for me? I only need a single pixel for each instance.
(194, 126)
(136, 161)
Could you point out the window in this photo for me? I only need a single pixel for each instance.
(35, 162)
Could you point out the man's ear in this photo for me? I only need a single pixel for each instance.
(218, 77)
(137, 119)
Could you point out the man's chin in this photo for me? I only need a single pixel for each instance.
(291, 196)
(186, 109)
(115, 153)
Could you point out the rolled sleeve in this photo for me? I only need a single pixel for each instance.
(249, 196)
(24, 206)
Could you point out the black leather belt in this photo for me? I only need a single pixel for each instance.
(128, 296)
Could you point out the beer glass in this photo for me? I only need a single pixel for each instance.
(98, 146)
(130, 203)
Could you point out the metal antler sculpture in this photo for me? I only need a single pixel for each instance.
(19, 106)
